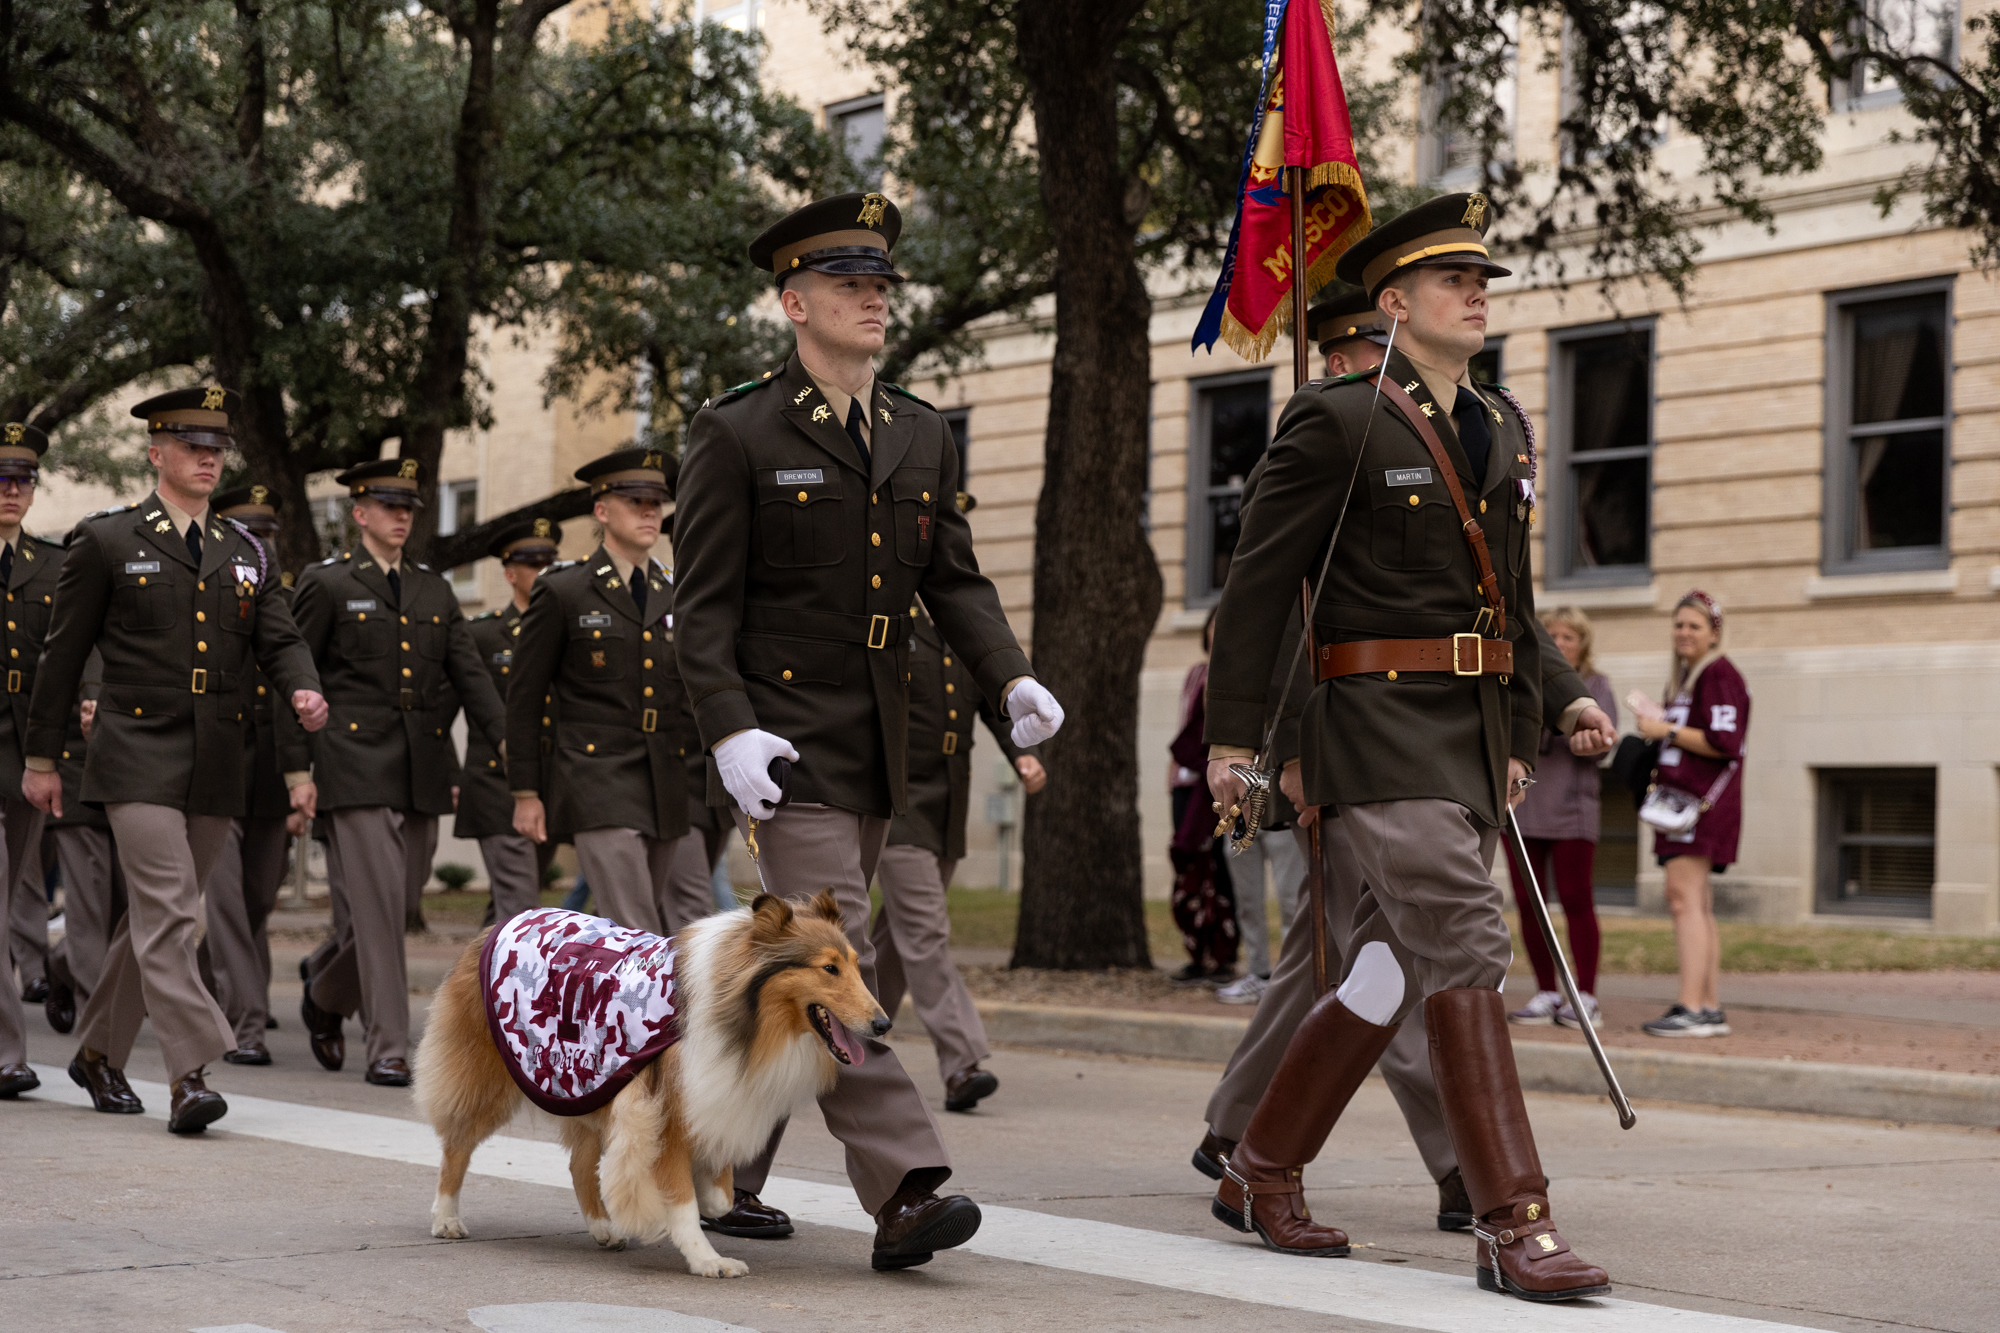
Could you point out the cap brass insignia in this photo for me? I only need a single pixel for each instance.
(213, 400)
(408, 472)
(258, 494)
(1475, 211)
(542, 527)
(872, 206)
(650, 460)
(16, 432)
(822, 413)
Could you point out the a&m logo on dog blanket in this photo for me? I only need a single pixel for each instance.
(577, 1005)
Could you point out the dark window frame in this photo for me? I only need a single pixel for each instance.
(1851, 94)
(1831, 785)
(959, 421)
(1558, 571)
(837, 112)
(1198, 557)
(1839, 499)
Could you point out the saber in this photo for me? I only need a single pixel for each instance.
(1626, 1118)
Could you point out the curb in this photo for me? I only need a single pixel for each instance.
(1866, 1092)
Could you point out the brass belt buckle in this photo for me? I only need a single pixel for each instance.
(951, 742)
(878, 631)
(408, 700)
(1457, 642)
(13, 682)
(649, 720)
(198, 681)
(1483, 621)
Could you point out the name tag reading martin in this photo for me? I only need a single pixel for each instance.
(805, 476)
(361, 604)
(1408, 476)
(595, 620)
(142, 566)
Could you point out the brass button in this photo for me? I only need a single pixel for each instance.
(503, 671)
(65, 754)
(138, 712)
(406, 620)
(590, 749)
(406, 671)
(545, 722)
(950, 688)
(647, 635)
(875, 538)
(597, 634)
(927, 495)
(947, 661)
(1392, 675)
(787, 675)
(649, 691)
(873, 498)
(435, 620)
(199, 615)
(260, 689)
(802, 497)
(1413, 499)
(493, 763)
(406, 645)
(201, 646)
(875, 582)
(647, 664)
(952, 714)
(199, 587)
(354, 726)
(362, 616)
(142, 580)
(1482, 506)
(440, 731)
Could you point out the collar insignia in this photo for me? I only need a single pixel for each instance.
(822, 413)
(803, 394)
(887, 418)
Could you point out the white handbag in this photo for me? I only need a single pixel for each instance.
(1673, 811)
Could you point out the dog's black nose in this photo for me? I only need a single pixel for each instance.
(880, 1025)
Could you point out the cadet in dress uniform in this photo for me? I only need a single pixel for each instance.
(514, 865)
(1421, 732)
(595, 636)
(181, 604)
(912, 930)
(815, 505)
(28, 569)
(389, 637)
(243, 887)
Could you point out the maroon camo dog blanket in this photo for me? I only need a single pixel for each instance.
(577, 1005)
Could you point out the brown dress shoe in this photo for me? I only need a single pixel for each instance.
(328, 1047)
(750, 1217)
(252, 1053)
(17, 1079)
(1519, 1251)
(1454, 1207)
(195, 1107)
(60, 1007)
(35, 991)
(393, 1072)
(1263, 1181)
(109, 1092)
(963, 1090)
(915, 1224)
(1209, 1156)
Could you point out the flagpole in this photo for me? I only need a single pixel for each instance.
(1295, 180)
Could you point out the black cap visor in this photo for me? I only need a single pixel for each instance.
(538, 556)
(394, 497)
(199, 437)
(263, 524)
(846, 261)
(638, 490)
(20, 467)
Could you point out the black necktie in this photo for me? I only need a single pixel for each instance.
(194, 543)
(854, 432)
(1468, 416)
(7, 564)
(639, 590)
(396, 586)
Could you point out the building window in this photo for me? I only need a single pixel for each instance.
(1889, 429)
(1485, 363)
(1449, 152)
(458, 509)
(960, 421)
(1907, 28)
(860, 124)
(1877, 840)
(1231, 428)
(737, 15)
(1601, 436)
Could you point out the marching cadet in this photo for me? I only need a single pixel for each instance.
(28, 569)
(595, 637)
(243, 887)
(181, 604)
(514, 865)
(815, 506)
(389, 637)
(912, 930)
(1420, 735)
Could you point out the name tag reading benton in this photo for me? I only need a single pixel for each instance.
(805, 476)
(595, 620)
(142, 566)
(1408, 476)
(361, 604)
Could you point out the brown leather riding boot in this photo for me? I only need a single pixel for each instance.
(1472, 1056)
(1262, 1186)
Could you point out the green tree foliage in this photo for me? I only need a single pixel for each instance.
(328, 205)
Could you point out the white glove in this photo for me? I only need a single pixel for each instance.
(745, 762)
(1037, 716)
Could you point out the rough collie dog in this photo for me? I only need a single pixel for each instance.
(769, 1004)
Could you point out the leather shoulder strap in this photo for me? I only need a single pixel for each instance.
(1475, 536)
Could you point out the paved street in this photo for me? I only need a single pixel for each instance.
(306, 1209)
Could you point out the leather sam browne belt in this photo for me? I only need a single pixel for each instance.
(1461, 655)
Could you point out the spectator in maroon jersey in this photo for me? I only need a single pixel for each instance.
(1701, 729)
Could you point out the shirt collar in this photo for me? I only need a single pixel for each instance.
(180, 518)
(839, 399)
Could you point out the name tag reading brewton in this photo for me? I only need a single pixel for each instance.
(142, 566)
(1408, 476)
(805, 476)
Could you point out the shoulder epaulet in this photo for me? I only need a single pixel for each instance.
(333, 559)
(731, 395)
(899, 389)
(49, 541)
(1335, 380)
(486, 615)
(114, 509)
(562, 564)
(421, 565)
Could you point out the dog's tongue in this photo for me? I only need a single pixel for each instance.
(855, 1051)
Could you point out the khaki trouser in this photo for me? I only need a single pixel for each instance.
(1429, 895)
(150, 968)
(874, 1108)
(420, 840)
(912, 939)
(1405, 1066)
(242, 890)
(27, 904)
(93, 900)
(513, 874)
(362, 970)
(691, 878)
(23, 829)
(628, 874)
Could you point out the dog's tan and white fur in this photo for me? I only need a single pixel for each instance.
(770, 1003)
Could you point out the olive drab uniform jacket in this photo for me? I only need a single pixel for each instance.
(797, 565)
(944, 701)
(387, 662)
(178, 643)
(610, 669)
(31, 590)
(485, 806)
(1402, 569)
